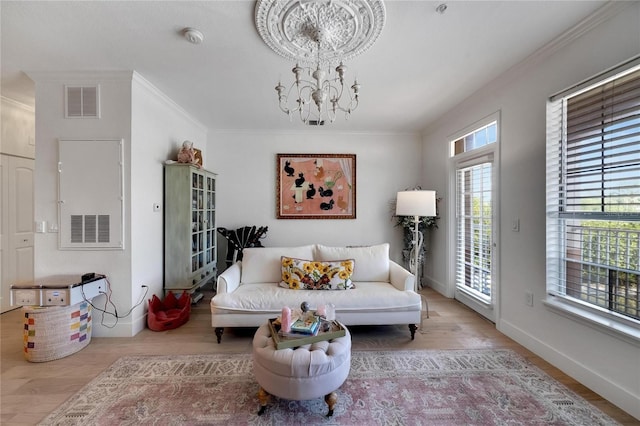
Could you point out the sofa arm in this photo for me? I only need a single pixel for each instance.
(229, 280)
(400, 278)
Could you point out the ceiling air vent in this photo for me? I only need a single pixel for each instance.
(82, 101)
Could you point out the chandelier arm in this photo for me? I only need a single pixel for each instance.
(321, 97)
(284, 101)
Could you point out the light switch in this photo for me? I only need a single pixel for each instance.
(41, 226)
(515, 225)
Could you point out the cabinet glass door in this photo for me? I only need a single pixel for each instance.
(197, 221)
(211, 219)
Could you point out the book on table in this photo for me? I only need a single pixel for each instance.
(307, 326)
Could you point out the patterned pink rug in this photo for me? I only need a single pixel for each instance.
(480, 387)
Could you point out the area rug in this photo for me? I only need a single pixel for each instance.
(479, 387)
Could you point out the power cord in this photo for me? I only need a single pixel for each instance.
(108, 302)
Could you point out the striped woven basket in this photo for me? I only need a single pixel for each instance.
(54, 332)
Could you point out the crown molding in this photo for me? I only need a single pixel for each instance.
(149, 87)
(85, 76)
(17, 104)
(606, 12)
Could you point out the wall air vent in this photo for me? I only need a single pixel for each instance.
(82, 101)
(89, 228)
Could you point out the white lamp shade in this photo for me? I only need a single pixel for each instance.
(416, 203)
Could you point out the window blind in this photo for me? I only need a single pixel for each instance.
(474, 229)
(602, 152)
(593, 194)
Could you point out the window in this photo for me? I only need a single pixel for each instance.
(593, 195)
(477, 139)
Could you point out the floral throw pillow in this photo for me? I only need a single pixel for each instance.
(301, 274)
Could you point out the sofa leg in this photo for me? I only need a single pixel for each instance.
(413, 328)
(219, 331)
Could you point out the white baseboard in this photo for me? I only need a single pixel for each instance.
(597, 383)
(437, 286)
(123, 328)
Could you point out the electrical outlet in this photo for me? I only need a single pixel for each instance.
(529, 298)
(56, 297)
(25, 297)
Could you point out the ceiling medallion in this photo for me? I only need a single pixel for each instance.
(343, 28)
(322, 33)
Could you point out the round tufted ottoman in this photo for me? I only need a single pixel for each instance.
(301, 373)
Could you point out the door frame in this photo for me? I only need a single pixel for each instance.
(491, 152)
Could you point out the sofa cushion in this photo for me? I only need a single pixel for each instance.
(303, 274)
(262, 264)
(371, 262)
(268, 297)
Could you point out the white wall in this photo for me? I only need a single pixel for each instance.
(246, 186)
(115, 93)
(607, 365)
(153, 128)
(158, 128)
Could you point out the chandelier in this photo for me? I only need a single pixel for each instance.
(318, 35)
(311, 96)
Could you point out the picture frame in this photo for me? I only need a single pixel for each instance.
(316, 186)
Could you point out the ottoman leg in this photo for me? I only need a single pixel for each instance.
(331, 400)
(263, 397)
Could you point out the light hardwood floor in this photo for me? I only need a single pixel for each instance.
(30, 391)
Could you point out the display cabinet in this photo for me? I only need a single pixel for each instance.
(189, 229)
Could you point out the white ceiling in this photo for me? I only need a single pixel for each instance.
(423, 64)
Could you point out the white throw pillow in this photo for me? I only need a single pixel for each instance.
(262, 264)
(371, 262)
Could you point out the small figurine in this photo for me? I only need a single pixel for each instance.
(187, 154)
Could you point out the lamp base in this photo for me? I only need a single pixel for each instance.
(408, 260)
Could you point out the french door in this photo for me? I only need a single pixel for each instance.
(475, 279)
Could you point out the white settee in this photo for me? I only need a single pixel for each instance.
(249, 292)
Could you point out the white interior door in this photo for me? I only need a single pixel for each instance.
(17, 215)
(4, 226)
